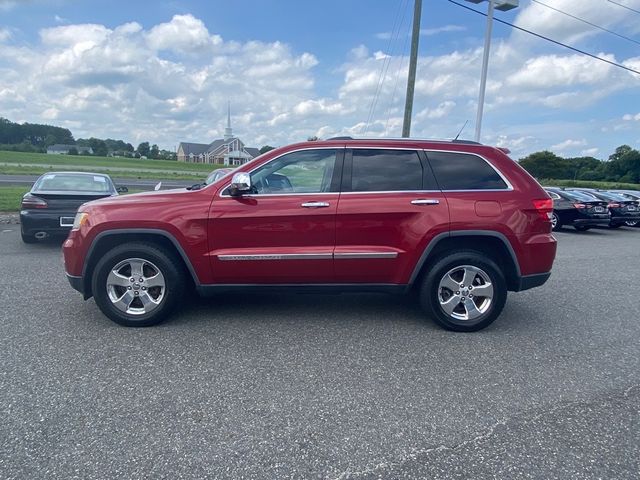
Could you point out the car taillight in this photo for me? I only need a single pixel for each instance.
(614, 205)
(544, 207)
(31, 201)
(580, 205)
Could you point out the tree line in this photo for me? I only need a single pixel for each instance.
(622, 166)
(34, 137)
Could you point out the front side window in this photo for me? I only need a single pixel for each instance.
(308, 171)
(385, 171)
(463, 171)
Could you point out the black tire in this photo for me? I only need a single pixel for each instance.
(581, 228)
(430, 290)
(171, 269)
(615, 225)
(632, 224)
(558, 224)
(27, 238)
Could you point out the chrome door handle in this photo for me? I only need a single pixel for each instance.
(425, 201)
(315, 204)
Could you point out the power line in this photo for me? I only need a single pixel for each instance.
(623, 6)
(551, 40)
(386, 61)
(587, 22)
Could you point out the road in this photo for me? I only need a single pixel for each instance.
(336, 387)
(129, 182)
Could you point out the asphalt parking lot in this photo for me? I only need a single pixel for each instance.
(336, 387)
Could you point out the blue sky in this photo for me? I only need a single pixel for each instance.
(163, 71)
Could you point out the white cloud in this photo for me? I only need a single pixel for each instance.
(5, 34)
(184, 33)
(426, 32)
(630, 117)
(568, 145)
(590, 152)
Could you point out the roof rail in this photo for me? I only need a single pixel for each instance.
(468, 142)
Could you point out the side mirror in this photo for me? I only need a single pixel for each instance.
(240, 184)
(122, 189)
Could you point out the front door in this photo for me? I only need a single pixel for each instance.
(284, 231)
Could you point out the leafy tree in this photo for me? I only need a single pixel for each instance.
(265, 149)
(546, 164)
(154, 152)
(73, 151)
(143, 149)
(99, 147)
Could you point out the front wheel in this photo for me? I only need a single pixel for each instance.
(464, 291)
(631, 223)
(137, 284)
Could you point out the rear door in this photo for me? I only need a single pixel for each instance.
(389, 210)
(284, 232)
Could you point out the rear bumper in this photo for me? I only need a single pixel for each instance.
(619, 220)
(591, 222)
(532, 281)
(33, 222)
(76, 283)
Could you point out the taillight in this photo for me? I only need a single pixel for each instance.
(579, 205)
(31, 201)
(614, 205)
(544, 207)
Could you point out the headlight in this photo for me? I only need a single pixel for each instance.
(81, 219)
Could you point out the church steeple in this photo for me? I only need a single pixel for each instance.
(228, 133)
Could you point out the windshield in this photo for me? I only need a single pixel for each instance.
(218, 174)
(70, 182)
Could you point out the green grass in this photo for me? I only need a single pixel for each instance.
(23, 158)
(29, 170)
(548, 182)
(10, 197)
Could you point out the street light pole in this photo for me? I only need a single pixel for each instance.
(485, 67)
(413, 60)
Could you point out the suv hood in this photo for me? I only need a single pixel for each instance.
(159, 196)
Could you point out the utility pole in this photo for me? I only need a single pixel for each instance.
(413, 60)
(485, 67)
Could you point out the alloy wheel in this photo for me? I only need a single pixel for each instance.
(136, 286)
(465, 292)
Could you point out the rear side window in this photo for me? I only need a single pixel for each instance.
(385, 170)
(462, 171)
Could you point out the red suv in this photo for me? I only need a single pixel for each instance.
(458, 221)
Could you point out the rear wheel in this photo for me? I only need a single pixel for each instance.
(615, 225)
(630, 223)
(556, 224)
(464, 291)
(581, 228)
(137, 284)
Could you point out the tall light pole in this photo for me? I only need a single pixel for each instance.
(413, 60)
(503, 5)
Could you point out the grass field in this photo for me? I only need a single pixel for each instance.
(21, 163)
(10, 197)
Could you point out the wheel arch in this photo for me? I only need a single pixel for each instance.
(494, 244)
(108, 239)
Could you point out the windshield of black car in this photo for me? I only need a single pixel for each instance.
(69, 182)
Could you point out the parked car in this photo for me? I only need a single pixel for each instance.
(217, 174)
(630, 195)
(621, 209)
(49, 208)
(459, 222)
(577, 209)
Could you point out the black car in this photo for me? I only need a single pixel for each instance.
(621, 209)
(578, 209)
(50, 207)
(630, 195)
